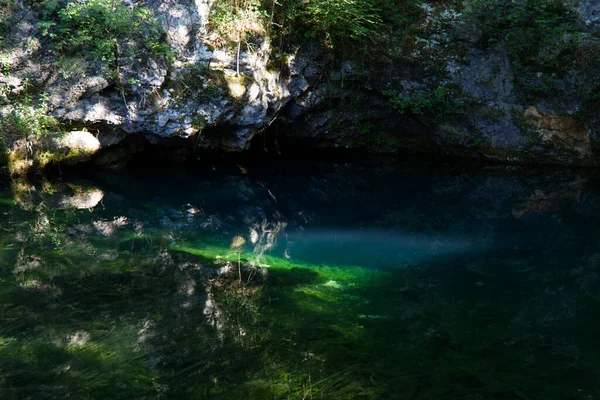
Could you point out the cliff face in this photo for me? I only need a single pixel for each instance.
(439, 90)
(200, 89)
(493, 106)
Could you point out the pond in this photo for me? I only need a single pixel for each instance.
(367, 280)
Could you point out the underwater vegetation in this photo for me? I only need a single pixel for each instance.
(121, 287)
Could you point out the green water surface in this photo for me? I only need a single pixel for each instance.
(288, 282)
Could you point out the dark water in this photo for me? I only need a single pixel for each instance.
(295, 282)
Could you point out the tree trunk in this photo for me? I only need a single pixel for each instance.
(239, 45)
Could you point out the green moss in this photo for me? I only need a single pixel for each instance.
(74, 156)
(7, 201)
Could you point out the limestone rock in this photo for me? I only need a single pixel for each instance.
(82, 141)
(562, 131)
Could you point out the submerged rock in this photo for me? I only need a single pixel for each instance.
(552, 198)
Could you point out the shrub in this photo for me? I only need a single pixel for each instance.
(340, 20)
(103, 30)
(234, 20)
(420, 102)
(25, 120)
(333, 21)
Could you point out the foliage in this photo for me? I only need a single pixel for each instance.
(335, 22)
(27, 119)
(104, 30)
(419, 102)
(234, 19)
(338, 20)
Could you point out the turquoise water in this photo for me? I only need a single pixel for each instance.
(287, 282)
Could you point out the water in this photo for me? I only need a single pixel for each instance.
(294, 282)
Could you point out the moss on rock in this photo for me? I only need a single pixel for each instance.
(29, 155)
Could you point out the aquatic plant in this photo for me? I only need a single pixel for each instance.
(112, 300)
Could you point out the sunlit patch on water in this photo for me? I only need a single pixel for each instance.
(332, 284)
(377, 248)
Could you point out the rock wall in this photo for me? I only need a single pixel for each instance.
(200, 90)
(311, 99)
(496, 119)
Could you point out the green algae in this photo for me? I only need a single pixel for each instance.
(121, 313)
(338, 350)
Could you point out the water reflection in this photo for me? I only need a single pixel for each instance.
(340, 281)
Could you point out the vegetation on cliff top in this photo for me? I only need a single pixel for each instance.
(545, 40)
(104, 31)
(352, 24)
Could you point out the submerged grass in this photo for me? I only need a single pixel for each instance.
(421, 343)
(78, 325)
(120, 313)
(337, 275)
